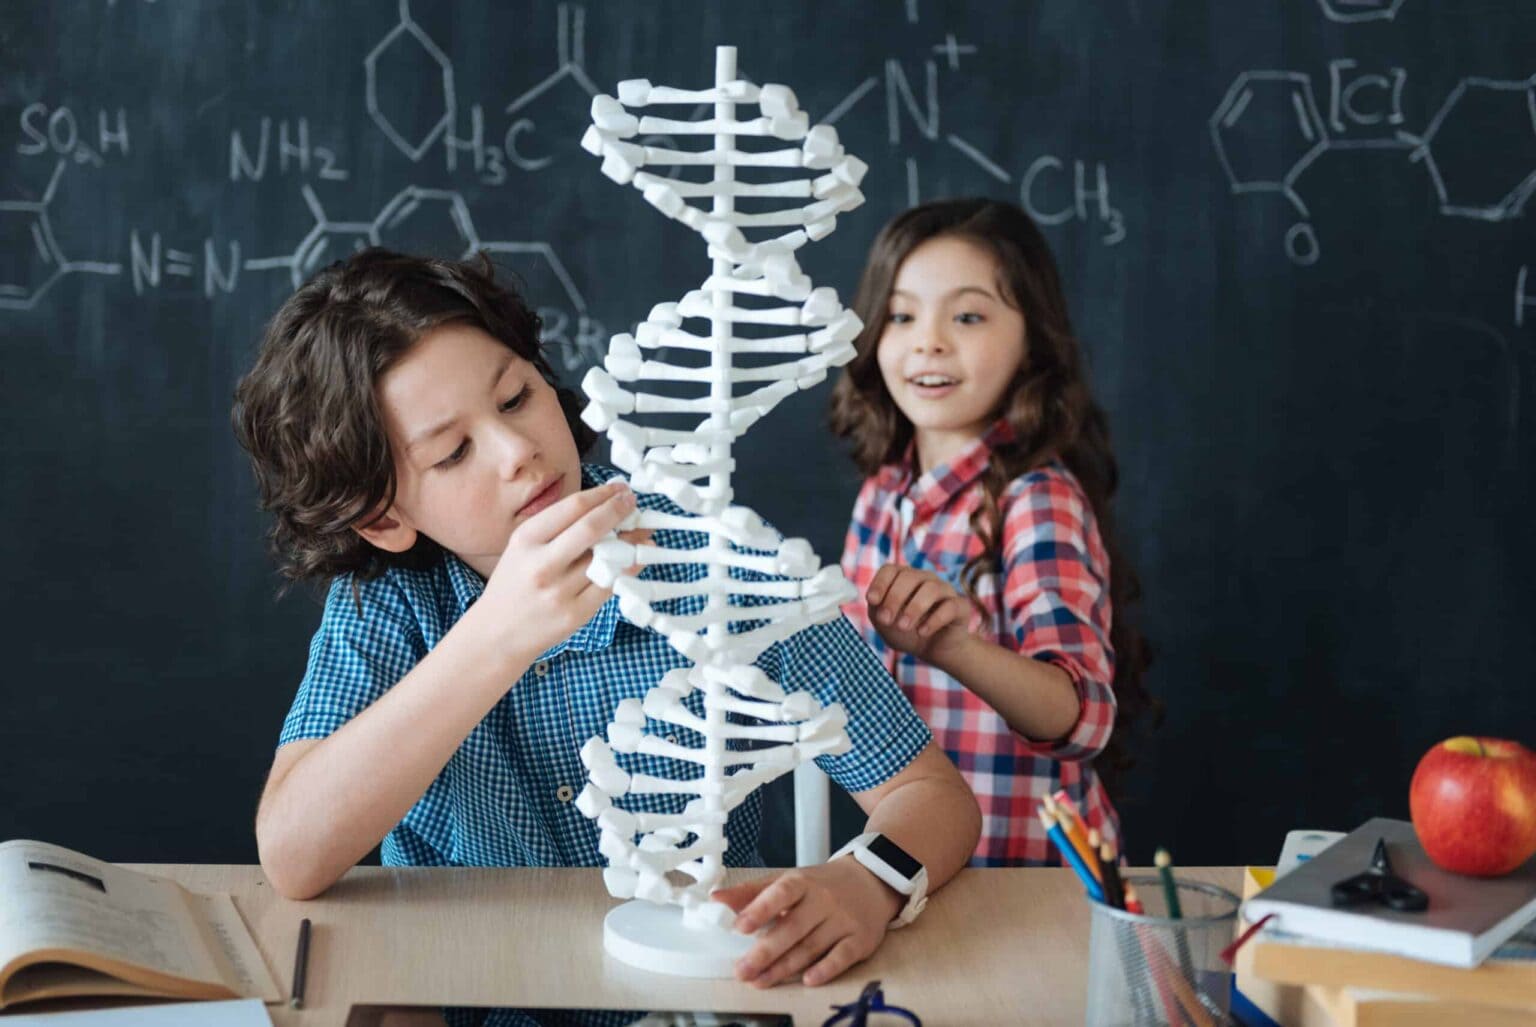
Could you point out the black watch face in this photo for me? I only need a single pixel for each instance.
(895, 856)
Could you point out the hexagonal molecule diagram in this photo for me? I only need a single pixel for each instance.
(1480, 148)
(409, 87)
(31, 260)
(432, 222)
(1360, 10)
(437, 222)
(1266, 131)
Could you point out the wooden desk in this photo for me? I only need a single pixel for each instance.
(995, 946)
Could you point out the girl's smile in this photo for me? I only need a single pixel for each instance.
(931, 386)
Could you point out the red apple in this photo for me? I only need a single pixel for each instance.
(1473, 802)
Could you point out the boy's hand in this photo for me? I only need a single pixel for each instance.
(819, 921)
(540, 584)
(916, 611)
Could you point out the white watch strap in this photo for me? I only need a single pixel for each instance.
(914, 888)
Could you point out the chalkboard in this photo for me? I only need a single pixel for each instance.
(1294, 241)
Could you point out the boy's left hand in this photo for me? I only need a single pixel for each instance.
(819, 921)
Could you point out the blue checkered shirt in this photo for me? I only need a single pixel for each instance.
(504, 798)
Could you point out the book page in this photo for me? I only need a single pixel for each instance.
(234, 948)
(56, 899)
(39, 981)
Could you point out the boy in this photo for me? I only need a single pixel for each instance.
(408, 437)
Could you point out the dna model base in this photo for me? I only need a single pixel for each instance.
(653, 937)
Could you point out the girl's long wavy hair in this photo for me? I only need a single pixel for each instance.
(1048, 405)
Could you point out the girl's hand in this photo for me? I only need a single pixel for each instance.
(916, 611)
(539, 591)
(819, 921)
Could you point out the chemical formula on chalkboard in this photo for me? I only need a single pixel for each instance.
(1267, 130)
(413, 100)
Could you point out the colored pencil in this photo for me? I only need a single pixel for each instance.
(1181, 984)
(1095, 842)
(1114, 891)
(1076, 831)
(1132, 901)
(1069, 854)
(1149, 955)
(1182, 987)
(1164, 864)
(1146, 944)
(1073, 821)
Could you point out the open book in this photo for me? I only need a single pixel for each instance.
(73, 926)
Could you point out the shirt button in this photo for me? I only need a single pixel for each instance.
(565, 793)
(541, 668)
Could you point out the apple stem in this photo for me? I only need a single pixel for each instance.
(1480, 750)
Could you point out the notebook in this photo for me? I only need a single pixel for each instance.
(1468, 917)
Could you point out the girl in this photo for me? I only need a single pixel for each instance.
(981, 539)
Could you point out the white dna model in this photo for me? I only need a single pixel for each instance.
(769, 335)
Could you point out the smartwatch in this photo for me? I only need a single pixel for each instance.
(893, 865)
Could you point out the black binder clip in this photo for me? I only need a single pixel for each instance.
(1378, 885)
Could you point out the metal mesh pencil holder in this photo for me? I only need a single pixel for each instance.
(1148, 969)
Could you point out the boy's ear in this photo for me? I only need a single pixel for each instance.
(388, 531)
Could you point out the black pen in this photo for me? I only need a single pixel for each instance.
(300, 965)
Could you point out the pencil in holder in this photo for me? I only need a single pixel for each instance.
(1147, 969)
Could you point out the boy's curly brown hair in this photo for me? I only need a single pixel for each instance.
(307, 412)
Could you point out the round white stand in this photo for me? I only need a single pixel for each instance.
(654, 937)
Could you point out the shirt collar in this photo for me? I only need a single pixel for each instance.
(466, 584)
(595, 634)
(930, 492)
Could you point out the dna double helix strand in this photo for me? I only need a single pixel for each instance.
(770, 333)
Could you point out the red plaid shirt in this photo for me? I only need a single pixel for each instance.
(1053, 606)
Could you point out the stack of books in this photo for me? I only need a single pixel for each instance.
(1468, 960)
